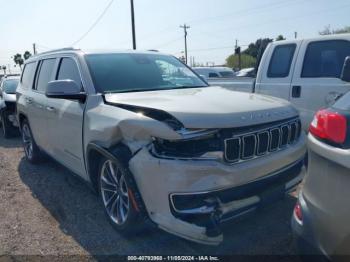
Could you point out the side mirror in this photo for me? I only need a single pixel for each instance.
(65, 89)
(345, 74)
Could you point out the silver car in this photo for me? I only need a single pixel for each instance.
(156, 141)
(8, 120)
(321, 216)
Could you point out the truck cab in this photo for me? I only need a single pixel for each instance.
(305, 72)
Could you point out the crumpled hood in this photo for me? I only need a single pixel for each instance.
(209, 107)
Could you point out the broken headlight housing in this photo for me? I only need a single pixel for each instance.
(201, 144)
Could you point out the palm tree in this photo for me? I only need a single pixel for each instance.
(26, 55)
(17, 58)
(3, 68)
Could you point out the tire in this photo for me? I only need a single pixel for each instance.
(116, 190)
(31, 150)
(7, 129)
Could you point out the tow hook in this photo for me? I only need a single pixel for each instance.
(213, 229)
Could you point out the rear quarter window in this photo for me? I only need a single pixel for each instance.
(28, 75)
(281, 61)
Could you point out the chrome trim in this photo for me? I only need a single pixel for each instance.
(256, 132)
(243, 150)
(225, 149)
(268, 143)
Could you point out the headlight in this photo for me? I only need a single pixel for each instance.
(204, 146)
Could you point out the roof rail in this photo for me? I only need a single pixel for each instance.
(58, 50)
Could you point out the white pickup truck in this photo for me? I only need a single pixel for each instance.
(306, 72)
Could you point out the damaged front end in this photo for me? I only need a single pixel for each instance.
(192, 180)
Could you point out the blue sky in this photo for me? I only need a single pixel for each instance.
(214, 24)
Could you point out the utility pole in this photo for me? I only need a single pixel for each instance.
(34, 48)
(238, 52)
(133, 24)
(185, 27)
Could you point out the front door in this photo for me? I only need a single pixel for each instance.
(65, 122)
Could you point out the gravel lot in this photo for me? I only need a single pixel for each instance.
(44, 210)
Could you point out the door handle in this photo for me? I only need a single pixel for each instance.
(50, 108)
(296, 91)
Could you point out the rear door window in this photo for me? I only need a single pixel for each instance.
(325, 58)
(45, 74)
(28, 75)
(281, 61)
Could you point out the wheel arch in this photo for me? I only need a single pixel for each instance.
(121, 152)
(95, 152)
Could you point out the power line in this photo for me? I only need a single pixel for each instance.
(272, 21)
(244, 11)
(94, 24)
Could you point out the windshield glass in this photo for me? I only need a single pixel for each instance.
(125, 72)
(10, 86)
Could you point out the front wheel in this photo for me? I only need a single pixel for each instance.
(116, 194)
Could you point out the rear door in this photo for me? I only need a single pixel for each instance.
(275, 74)
(65, 121)
(36, 102)
(316, 82)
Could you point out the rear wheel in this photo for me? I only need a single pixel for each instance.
(31, 150)
(117, 195)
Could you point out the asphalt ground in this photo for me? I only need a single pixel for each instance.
(46, 211)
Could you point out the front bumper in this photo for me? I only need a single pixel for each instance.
(191, 198)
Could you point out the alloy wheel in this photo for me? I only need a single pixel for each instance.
(27, 141)
(114, 191)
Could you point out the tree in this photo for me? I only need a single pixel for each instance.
(3, 68)
(258, 47)
(280, 37)
(329, 31)
(26, 55)
(17, 58)
(246, 61)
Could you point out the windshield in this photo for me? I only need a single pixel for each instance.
(10, 86)
(113, 73)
